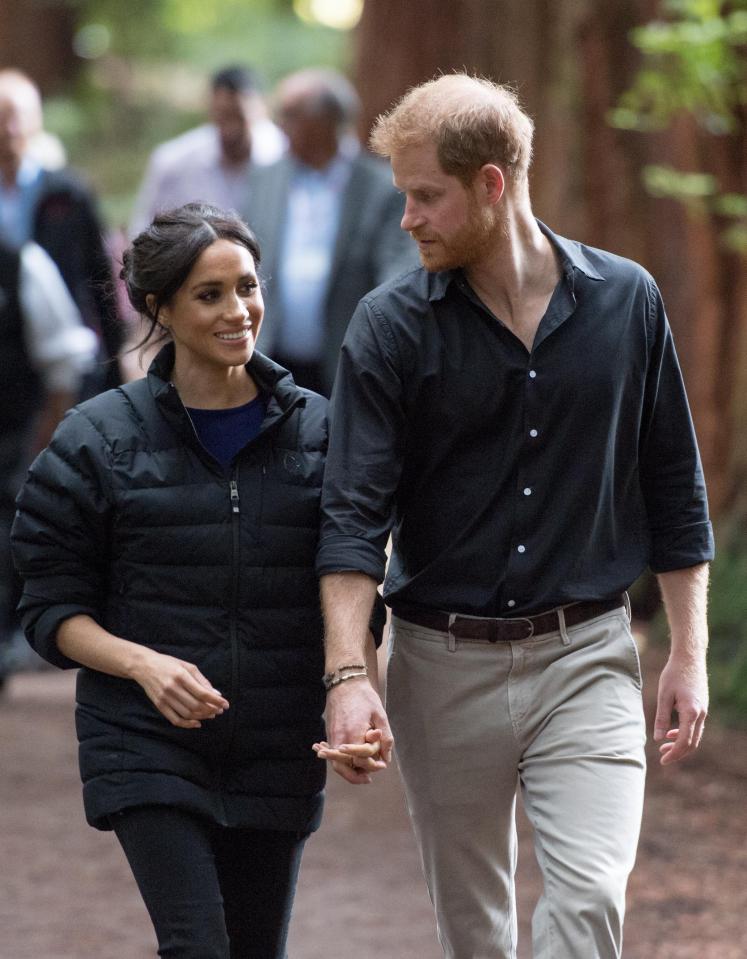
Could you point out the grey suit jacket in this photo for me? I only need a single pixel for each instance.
(370, 246)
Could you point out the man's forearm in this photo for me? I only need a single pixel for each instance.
(347, 601)
(683, 684)
(685, 595)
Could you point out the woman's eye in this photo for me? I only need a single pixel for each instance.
(208, 296)
(248, 288)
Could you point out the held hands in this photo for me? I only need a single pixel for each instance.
(178, 690)
(683, 688)
(360, 741)
(356, 760)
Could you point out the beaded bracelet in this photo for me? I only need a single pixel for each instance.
(336, 676)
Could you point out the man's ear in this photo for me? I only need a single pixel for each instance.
(492, 182)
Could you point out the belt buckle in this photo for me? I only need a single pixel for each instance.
(530, 622)
(510, 622)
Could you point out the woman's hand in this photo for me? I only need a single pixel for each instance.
(178, 689)
(362, 758)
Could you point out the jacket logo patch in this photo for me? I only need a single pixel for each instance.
(292, 464)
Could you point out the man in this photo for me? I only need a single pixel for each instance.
(44, 352)
(515, 413)
(327, 219)
(54, 209)
(211, 162)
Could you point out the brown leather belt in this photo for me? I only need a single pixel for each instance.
(479, 629)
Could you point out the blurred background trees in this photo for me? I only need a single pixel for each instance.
(640, 108)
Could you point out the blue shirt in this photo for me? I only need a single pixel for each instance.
(306, 252)
(224, 432)
(17, 204)
(513, 480)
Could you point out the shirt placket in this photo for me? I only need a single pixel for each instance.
(525, 528)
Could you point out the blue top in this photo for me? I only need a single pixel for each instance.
(513, 480)
(224, 432)
(18, 202)
(307, 250)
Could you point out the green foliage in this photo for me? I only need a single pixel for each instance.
(207, 35)
(149, 80)
(728, 626)
(693, 62)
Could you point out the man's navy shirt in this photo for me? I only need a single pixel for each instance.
(513, 481)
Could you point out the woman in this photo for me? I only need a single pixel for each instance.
(166, 539)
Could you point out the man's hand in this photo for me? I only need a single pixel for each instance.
(683, 688)
(356, 719)
(361, 758)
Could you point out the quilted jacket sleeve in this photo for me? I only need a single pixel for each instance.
(60, 536)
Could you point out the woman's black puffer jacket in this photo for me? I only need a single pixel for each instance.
(127, 518)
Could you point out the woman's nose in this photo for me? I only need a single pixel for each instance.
(237, 307)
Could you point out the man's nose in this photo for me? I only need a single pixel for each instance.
(411, 218)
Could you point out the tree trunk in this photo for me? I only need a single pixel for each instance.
(36, 36)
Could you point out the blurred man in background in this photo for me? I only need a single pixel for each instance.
(45, 350)
(55, 209)
(211, 162)
(327, 218)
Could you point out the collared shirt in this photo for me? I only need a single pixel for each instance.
(190, 168)
(513, 480)
(312, 222)
(17, 203)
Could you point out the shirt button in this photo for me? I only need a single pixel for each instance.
(532, 374)
(533, 433)
(521, 549)
(527, 491)
(511, 603)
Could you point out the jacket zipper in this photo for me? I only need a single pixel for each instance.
(234, 610)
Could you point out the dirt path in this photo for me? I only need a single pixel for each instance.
(65, 892)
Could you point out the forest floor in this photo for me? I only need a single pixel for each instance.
(66, 893)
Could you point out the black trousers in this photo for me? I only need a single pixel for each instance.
(212, 893)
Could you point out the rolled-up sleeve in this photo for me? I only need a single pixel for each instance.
(670, 469)
(60, 535)
(367, 436)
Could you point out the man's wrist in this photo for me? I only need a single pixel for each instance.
(343, 673)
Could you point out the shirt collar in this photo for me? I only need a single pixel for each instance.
(334, 173)
(571, 254)
(28, 173)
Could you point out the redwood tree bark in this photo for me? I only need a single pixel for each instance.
(36, 37)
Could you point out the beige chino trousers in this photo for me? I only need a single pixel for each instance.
(558, 715)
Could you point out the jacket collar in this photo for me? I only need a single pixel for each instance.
(273, 380)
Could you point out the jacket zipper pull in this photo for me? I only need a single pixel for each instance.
(234, 496)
